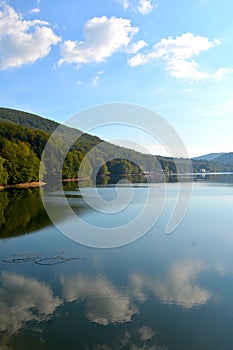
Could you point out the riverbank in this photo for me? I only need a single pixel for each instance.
(40, 183)
(76, 179)
(25, 185)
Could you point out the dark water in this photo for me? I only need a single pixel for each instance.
(160, 292)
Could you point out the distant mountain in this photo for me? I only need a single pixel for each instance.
(225, 158)
(210, 156)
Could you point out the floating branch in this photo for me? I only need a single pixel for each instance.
(39, 260)
(54, 260)
(22, 258)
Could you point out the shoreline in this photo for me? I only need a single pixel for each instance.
(35, 184)
(24, 185)
(76, 179)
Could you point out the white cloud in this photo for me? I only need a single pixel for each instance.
(184, 69)
(177, 54)
(135, 47)
(181, 48)
(146, 333)
(23, 299)
(23, 41)
(141, 6)
(145, 7)
(19, 296)
(179, 285)
(104, 36)
(97, 77)
(221, 72)
(135, 339)
(35, 10)
(106, 305)
(125, 4)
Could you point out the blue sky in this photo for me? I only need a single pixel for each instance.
(174, 57)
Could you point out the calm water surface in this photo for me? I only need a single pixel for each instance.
(161, 292)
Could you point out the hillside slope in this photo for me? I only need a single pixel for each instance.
(209, 156)
(85, 142)
(27, 120)
(225, 158)
(24, 135)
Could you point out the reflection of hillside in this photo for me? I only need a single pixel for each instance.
(21, 211)
(216, 178)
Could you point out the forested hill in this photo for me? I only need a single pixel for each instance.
(214, 162)
(210, 156)
(225, 158)
(23, 137)
(28, 120)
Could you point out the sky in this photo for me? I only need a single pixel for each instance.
(174, 57)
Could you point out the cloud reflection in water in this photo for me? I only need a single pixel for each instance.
(179, 285)
(25, 299)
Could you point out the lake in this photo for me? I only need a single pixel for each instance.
(161, 291)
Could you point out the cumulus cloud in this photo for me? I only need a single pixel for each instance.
(23, 299)
(23, 41)
(178, 55)
(125, 4)
(103, 37)
(141, 6)
(145, 6)
(221, 72)
(135, 47)
(19, 296)
(182, 47)
(179, 286)
(104, 303)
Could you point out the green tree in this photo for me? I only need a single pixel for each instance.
(3, 172)
(101, 167)
(72, 164)
(85, 170)
(21, 163)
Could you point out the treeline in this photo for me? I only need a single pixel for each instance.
(23, 137)
(21, 150)
(211, 166)
(20, 156)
